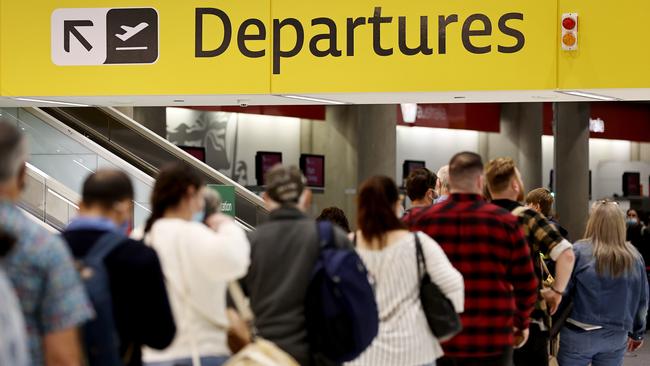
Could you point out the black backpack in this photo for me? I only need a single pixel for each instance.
(100, 339)
(341, 310)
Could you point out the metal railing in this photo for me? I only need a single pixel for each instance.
(149, 152)
(48, 200)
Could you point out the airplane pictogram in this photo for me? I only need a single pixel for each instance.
(129, 32)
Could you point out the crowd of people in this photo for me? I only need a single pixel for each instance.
(472, 245)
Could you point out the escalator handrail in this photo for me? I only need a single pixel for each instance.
(90, 145)
(182, 155)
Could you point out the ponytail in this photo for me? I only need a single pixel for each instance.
(171, 186)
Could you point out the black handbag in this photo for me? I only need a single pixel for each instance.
(438, 309)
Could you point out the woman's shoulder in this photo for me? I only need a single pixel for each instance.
(583, 245)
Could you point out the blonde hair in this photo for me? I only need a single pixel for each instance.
(606, 230)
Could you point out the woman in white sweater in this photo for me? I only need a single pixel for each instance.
(198, 262)
(389, 252)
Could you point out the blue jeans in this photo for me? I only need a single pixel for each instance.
(602, 347)
(205, 361)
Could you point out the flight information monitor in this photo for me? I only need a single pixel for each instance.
(313, 167)
(264, 161)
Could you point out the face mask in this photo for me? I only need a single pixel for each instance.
(631, 222)
(198, 216)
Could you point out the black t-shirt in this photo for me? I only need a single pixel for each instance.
(141, 308)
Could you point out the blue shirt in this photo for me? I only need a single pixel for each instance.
(614, 303)
(48, 287)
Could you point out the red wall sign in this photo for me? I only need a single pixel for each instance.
(478, 117)
(622, 121)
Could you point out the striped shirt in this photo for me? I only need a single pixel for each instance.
(486, 244)
(404, 336)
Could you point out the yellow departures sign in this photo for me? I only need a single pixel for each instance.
(279, 46)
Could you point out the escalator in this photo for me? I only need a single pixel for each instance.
(46, 201)
(146, 151)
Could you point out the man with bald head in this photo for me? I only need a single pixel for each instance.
(487, 246)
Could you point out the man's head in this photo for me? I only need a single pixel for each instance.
(442, 186)
(540, 200)
(109, 194)
(13, 156)
(466, 173)
(420, 186)
(504, 180)
(285, 186)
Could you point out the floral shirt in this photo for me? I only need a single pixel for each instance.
(13, 348)
(47, 285)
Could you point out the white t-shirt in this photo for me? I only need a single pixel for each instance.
(404, 336)
(197, 263)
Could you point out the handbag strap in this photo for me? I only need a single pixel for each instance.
(419, 253)
(241, 304)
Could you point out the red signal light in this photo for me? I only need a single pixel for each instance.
(568, 23)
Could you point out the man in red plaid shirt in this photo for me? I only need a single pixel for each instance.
(486, 244)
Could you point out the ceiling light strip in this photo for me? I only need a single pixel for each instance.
(582, 94)
(51, 102)
(310, 99)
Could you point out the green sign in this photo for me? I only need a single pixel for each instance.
(227, 194)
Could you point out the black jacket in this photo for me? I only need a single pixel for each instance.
(283, 254)
(141, 308)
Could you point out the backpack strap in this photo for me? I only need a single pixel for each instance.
(102, 247)
(325, 231)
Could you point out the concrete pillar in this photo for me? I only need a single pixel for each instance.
(530, 144)
(377, 141)
(506, 142)
(571, 165)
(521, 139)
(336, 138)
(358, 142)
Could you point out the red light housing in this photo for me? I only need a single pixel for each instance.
(569, 28)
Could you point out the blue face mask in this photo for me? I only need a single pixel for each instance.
(630, 222)
(198, 216)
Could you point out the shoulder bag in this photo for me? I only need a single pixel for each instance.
(438, 309)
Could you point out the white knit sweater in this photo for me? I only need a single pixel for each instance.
(197, 263)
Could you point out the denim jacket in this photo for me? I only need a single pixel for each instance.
(613, 303)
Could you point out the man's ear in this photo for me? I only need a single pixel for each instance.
(515, 185)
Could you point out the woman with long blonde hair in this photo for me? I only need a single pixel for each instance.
(610, 294)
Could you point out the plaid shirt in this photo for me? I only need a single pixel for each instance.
(542, 237)
(485, 243)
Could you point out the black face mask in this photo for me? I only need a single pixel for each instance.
(7, 242)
